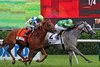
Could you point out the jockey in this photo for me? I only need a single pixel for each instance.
(33, 23)
(63, 25)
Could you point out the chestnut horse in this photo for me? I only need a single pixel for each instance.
(36, 41)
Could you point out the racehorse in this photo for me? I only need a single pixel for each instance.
(35, 41)
(70, 39)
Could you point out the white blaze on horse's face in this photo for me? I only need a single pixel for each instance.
(84, 26)
(89, 27)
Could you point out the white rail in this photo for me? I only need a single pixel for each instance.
(88, 40)
(79, 40)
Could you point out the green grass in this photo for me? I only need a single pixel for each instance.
(15, 13)
(56, 61)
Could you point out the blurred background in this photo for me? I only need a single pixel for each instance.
(14, 13)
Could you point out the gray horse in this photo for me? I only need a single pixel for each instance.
(70, 39)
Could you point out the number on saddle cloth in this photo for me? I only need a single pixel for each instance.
(52, 36)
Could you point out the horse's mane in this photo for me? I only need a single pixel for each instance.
(37, 31)
(79, 23)
(47, 21)
(75, 25)
(40, 28)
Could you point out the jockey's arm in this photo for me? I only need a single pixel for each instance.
(28, 22)
(65, 25)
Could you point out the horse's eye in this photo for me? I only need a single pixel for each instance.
(87, 27)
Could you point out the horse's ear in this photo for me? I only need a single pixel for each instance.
(85, 22)
(49, 20)
(45, 21)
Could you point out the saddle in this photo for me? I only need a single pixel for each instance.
(71, 28)
(20, 35)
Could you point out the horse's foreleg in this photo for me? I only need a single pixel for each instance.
(44, 53)
(79, 53)
(70, 57)
(29, 56)
(19, 53)
(9, 50)
(32, 58)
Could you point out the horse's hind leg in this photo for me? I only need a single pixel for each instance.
(9, 50)
(78, 52)
(44, 53)
(70, 57)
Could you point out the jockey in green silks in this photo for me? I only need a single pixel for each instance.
(63, 25)
(33, 23)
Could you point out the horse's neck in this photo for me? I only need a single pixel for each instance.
(77, 32)
(40, 33)
(74, 32)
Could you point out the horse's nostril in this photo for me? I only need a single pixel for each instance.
(94, 32)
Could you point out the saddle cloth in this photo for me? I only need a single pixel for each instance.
(51, 38)
(21, 33)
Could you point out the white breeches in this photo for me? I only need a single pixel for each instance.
(59, 28)
(32, 27)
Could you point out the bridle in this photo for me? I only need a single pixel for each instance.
(85, 26)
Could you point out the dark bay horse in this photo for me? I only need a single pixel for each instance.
(70, 39)
(36, 41)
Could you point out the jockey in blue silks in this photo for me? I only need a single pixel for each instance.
(33, 23)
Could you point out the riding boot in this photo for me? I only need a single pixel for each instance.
(57, 36)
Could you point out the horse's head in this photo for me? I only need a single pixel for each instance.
(49, 26)
(84, 26)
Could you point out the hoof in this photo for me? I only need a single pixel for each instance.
(25, 63)
(13, 62)
(38, 61)
(30, 62)
(89, 61)
(20, 59)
